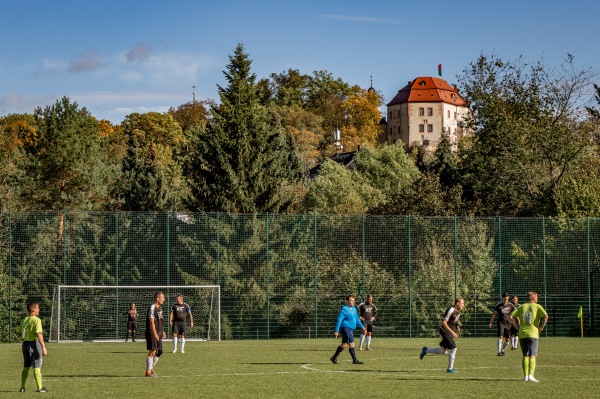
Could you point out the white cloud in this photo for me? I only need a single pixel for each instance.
(87, 62)
(139, 53)
(53, 66)
(157, 68)
(16, 103)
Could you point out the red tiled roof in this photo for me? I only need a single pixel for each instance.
(427, 89)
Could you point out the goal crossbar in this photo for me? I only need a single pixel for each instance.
(213, 303)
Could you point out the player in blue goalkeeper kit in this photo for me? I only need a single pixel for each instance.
(346, 323)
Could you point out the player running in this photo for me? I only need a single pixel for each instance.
(178, 319)
(447, 326)
(367, 311)
(504, 309)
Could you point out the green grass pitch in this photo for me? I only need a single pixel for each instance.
(567, 368)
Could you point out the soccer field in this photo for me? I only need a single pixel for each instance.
(567, 368)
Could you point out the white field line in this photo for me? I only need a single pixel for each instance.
(310, 368)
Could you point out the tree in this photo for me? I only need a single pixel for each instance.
(17, 131)
(152, 179)
(529, 133)
(69, 165)
(325, 96)
(289, 88)
(337, 190)
(361, 118)
(305, 130)
(244, 162)
(189, 114)
(375, 176)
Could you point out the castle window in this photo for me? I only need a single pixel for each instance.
(421, 111)
(421, 128)
(430, 128)
(429, 111)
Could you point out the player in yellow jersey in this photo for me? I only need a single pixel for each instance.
(533, 319)
(33, 346)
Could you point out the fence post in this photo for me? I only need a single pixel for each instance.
(10, 257)
(64, 246)
(168, 254)
(218, 247)
(544, 261)
(267, 273)
(589, 280)
(499, 257)
(315, 273)
(455, 262)
(117, 318)
(409, 283)
(363, 258)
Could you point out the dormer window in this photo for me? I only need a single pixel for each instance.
(422, 83)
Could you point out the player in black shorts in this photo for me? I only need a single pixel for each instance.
(447, 326)
(154, 333)
(178, 319)
(503, 310)
(366, 313)
(131, 322)
(514, 333)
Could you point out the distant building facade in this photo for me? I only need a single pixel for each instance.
(421, 111)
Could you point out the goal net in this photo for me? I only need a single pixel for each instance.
(99, 313)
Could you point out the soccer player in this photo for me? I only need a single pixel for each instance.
(131, 322)
(504, 309)
(154, 333)
(533, 320)
(514, 333)
(447, 345)
(33, 346)
(346, 323)
(178, 319)
(367, 313)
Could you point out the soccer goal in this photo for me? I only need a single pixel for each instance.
(99, 313)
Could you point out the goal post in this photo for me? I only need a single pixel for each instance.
(99, 313)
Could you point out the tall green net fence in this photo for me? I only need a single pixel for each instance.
(284, 275)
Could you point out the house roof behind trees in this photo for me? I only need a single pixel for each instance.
(428, 89)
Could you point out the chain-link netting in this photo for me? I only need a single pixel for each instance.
(287, 275)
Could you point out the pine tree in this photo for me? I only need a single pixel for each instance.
(243, 162)
(70, 167)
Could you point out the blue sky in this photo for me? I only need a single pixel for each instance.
(116, 57)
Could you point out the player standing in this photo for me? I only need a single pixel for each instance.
(504, 309)
(33, 346)
(514, 333)
(447, 345)
(533, 320)
(131, 322)
(178, 319)
(346, 323)
(367, 311)
(154, 333)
